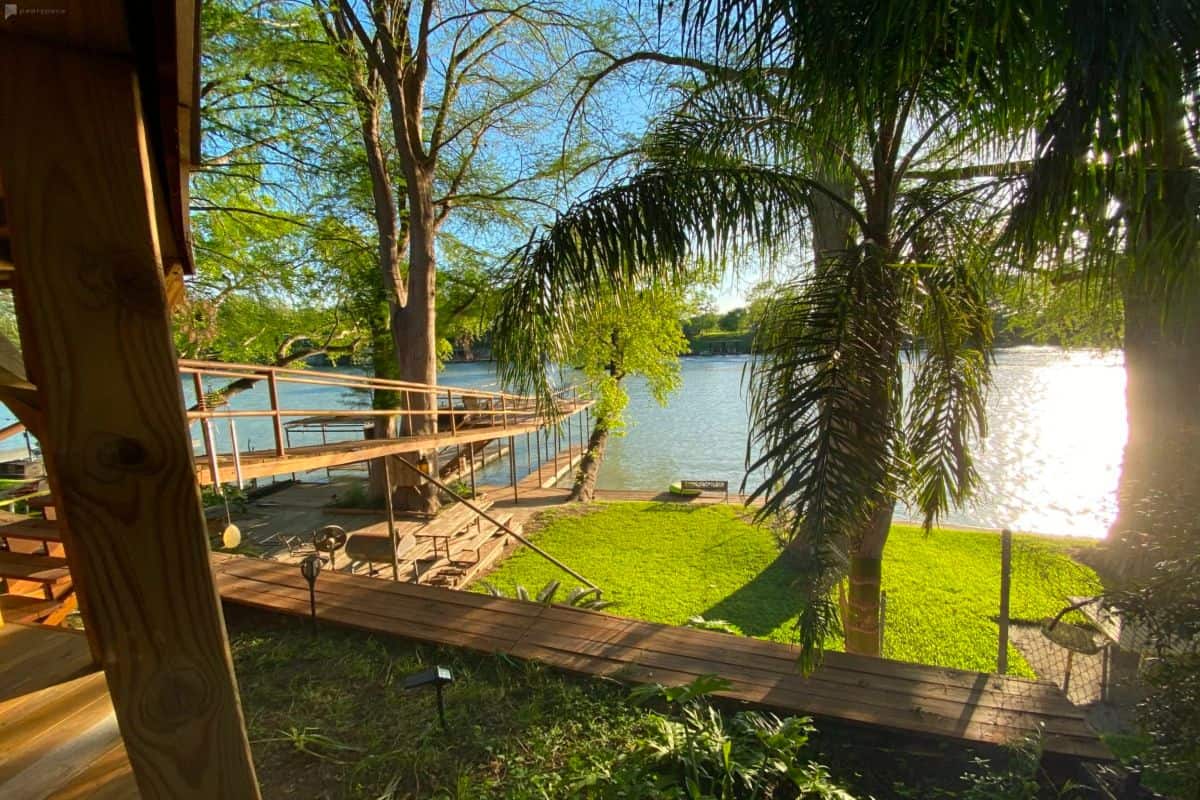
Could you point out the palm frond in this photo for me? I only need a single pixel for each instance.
(660, 226)
(823, 398)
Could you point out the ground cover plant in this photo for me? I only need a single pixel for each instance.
(328, 718)
(668, 562)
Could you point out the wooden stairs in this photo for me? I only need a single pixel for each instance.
(37, 585)
(450, 550)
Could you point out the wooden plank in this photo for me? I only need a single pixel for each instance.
(33, 657)
(736, 650)
(106, 778)
(20, 608)
(887, 708)
(724, 658)
(28, 567)
(17, 526)
(92, 311)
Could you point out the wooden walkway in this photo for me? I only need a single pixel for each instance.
(456, 415)
(907, 698)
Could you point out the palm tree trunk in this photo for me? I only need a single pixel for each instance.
(1160, 473)
(866, 570)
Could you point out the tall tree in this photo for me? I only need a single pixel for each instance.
(630, 333)
(871, 159)
(453, 81)
(1116, 178)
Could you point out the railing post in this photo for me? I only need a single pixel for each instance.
(503, 412)
(391, 518)
(1005, 586)
(273, 387)
(237, 457)
(512, 468)
(206, 434)
(538, 443)
(450, 411)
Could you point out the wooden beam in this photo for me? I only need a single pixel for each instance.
(92, 311)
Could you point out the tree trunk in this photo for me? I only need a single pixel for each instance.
(383, 363)
(1160, 474)
(584, 490)
(866, 562)
(414, 335)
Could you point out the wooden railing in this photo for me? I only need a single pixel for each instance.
(423, 408)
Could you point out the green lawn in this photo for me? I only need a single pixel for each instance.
(667, 562)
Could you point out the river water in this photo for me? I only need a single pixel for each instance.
(1050, 462)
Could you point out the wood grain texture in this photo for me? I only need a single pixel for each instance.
(908, 698)
(93, 318)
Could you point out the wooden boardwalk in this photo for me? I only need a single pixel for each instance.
(907, 698)
(454, 415)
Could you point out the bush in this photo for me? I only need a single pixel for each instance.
(693, 751)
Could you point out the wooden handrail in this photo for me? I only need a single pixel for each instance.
(225, 370)
(356, 413)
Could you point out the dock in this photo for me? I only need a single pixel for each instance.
(910, 699)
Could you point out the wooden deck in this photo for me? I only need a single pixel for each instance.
(907, 698)
(58, 734)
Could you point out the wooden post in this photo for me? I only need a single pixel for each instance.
(273, 387)
(391, 518)
(471, 452)
(538, 442)
(92, 309)
(450, 411)
(528, 455)
(512, 468)
(1005, 586)
(237, 456)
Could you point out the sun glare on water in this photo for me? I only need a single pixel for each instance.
(1052, 457)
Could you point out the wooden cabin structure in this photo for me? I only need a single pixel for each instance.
(98, 129)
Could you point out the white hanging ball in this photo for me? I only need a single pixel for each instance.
(231, 537)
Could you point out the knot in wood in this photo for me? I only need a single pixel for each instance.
(174, 697)
(123, 452)
(113, 456)
(127, 280)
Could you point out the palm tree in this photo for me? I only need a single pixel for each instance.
(873, 165)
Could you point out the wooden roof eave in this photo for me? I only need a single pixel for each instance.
(163, 41)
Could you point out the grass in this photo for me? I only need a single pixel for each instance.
(667, 562)
(328, 717)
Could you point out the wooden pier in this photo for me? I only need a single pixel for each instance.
(456, 416)
(907, 698)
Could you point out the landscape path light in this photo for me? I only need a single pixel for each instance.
(310, 568)
(439, 677)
